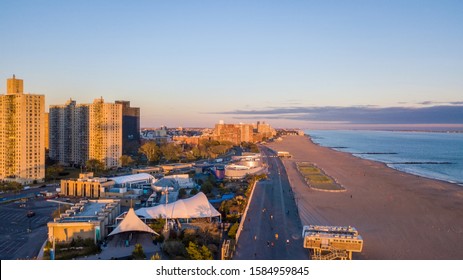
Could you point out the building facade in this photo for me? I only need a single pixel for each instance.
(79, 132)
(64, 134)
(22, 134)
(47, 131)
(238, 133)
(86, 186)
(105, 132)
(130, 128)
(88, 219)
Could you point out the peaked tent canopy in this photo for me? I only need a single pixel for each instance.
(194, 207)
(132, 222)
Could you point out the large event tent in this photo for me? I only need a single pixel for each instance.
(194, 207)
(132, 222)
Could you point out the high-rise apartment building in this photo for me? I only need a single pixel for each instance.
(68, 126)
(130, 128)
(22, 134)
(227, 132)
(237, 133)
(105, 132)
(79, 132)
(264, 131)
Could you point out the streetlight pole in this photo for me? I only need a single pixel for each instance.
(167, 199)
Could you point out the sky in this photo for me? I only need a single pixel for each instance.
(306, 64)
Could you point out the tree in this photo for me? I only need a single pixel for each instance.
(196, 152)
(193, 251)
(233, 230)
(10, 186)
(126, 160)
(158, 224)
(207, 187)
(206, 253)
(52, 172)
(181, 193)
(174, 249)
(94, 165)
(138, 253)
(151, 151)
(171, 151)
(194, 191)
(156, 257)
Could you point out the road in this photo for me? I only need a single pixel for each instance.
(272, 219)
(30, 193)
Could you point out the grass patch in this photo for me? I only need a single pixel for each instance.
(316, 178)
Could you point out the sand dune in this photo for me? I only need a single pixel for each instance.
(400, 216)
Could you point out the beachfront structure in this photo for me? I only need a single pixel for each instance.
(331, 242)
(79, 132)
(22, 134)
(283, 154)
(92, 219)
(191, 208)
(132, 223)
(246, 164)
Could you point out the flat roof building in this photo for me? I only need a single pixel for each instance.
(92, 219)
(86, 186)
(95, 187)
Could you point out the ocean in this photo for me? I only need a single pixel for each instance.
(428, 154)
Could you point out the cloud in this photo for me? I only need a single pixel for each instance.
(360, 114)
(440, 103)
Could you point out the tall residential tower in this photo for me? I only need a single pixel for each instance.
(79, 132)
(22, 134)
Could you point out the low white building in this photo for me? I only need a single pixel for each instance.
(130, 181)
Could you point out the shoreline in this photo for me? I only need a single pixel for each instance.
(388, 164)
(385, 164)
(399, 215)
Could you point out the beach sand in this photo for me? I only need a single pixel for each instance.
(399, 215)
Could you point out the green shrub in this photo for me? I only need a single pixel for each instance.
(233, 230)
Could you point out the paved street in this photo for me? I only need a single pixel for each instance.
(15, 240)
(272, 219)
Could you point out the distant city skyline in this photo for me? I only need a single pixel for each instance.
(307, 64)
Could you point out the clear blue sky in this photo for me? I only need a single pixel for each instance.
(184, 62)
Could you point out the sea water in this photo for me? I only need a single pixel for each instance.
(428, 154)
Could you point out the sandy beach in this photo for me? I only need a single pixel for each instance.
(399, 215)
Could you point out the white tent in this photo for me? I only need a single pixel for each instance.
(132, 222)
(194, 207)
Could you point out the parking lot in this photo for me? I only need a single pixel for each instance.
(21, 237)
